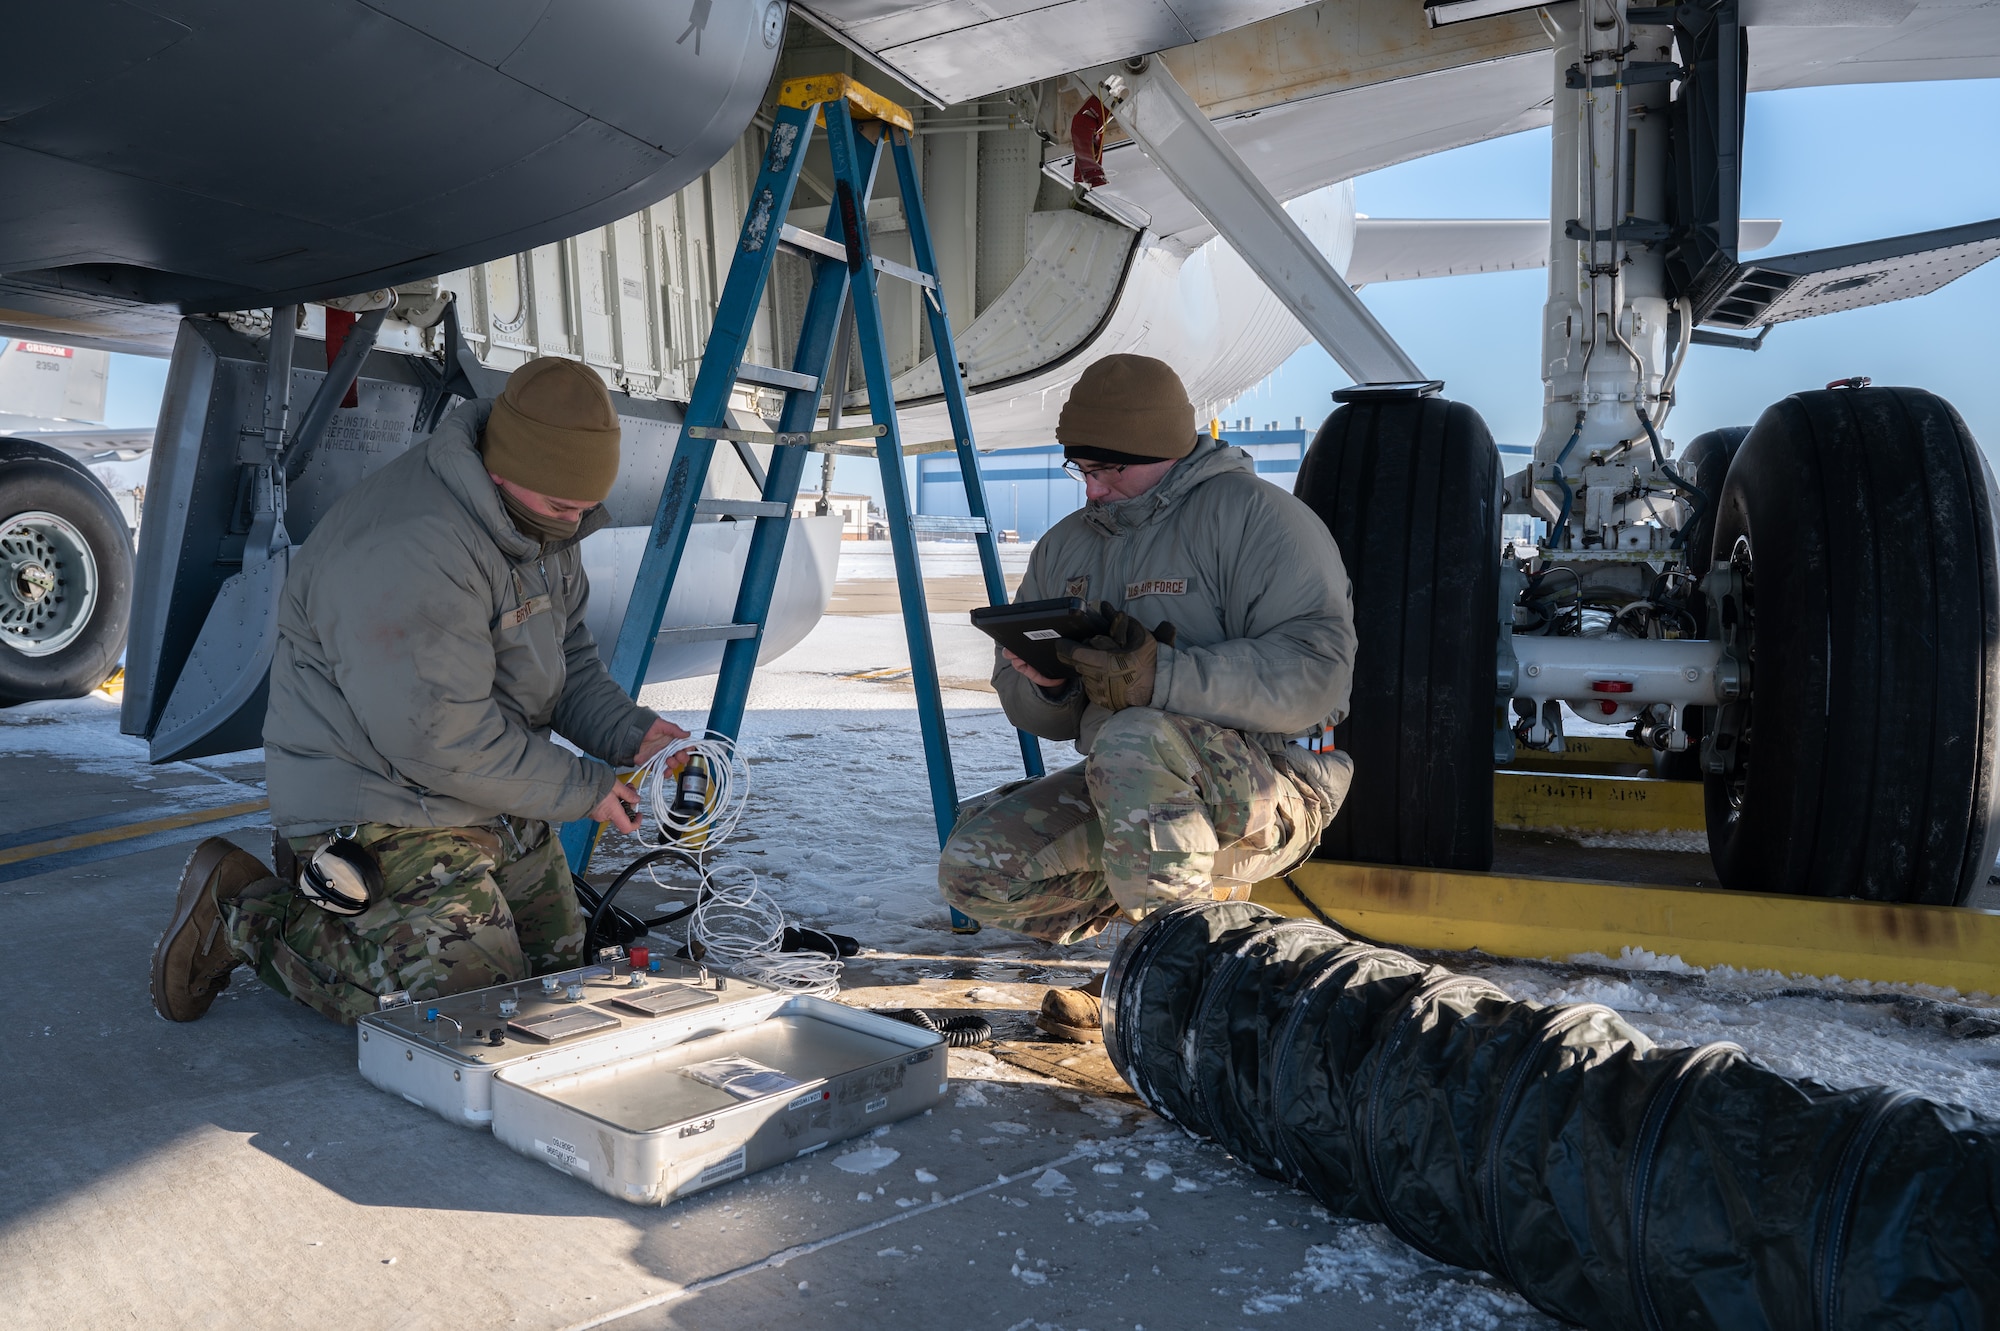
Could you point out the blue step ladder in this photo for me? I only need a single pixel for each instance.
(858, 123)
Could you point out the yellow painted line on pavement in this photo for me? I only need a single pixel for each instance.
(1446, 910)
(1551, 801)
(192, 817)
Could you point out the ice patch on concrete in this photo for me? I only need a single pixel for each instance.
(1053, 1183)
(868, 1159)
(1369, 1261)
(1136, 1216)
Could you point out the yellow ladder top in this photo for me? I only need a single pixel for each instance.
(863, 103)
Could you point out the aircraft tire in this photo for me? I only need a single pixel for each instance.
(1864, 522)
(65, 576)
(1410, 490)
(1705, 464)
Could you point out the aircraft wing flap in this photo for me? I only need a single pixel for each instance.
(1400, 249)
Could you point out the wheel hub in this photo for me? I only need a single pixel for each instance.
(50, 583)
(33, 582)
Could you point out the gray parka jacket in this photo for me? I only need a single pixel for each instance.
(426, 649)
(1248, 576)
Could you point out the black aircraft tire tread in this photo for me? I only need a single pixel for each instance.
(35, 478)
(1875, 695)
(1705, 464)
(1409, 489)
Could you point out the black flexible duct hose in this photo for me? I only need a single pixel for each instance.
(1618, 1185)
(960, 1032)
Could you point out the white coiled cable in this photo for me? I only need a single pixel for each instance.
(728, 791)
(741, 930)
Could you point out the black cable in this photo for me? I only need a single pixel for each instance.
(630, 925)
(959, 1032)
(1329, 921)
(796, 939)
(622, 927)
(1660, 460)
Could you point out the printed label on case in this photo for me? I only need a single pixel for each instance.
(1041, 635)
(729, 1166)
(563, 1156)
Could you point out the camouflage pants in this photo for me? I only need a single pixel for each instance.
(1166, 807)
(462, 908)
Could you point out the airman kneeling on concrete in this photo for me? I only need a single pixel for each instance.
(1193, 786)
(430, 638)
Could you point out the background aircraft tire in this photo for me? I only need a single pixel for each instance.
(65, 576)
(1409, 487)
(1705, 464)
(1864, 521)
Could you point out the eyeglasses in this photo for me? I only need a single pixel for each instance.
(1083, 471)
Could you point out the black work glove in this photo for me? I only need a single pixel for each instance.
(1119, 665)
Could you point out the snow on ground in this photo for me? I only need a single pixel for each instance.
(85, 731)
(1846, 1033)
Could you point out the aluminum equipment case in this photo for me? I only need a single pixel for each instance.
(442, 1053)
(648, 1125)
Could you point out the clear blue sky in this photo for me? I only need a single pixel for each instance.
(1836, 164)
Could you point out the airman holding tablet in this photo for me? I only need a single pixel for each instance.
(1227, 634)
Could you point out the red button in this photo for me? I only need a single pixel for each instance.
(1610, 686)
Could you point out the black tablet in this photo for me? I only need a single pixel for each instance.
(1032, 629)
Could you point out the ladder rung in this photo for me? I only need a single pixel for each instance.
(909, 450)
(709, 632)
(742, 508)
(790, 438)
(811, 241)
(772, 377)
(929, 522)
(902, 270)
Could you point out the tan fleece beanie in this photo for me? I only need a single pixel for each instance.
(554, 431)
(1127, 409)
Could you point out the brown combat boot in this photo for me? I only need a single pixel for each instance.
(1076, 1015)
(192, 960)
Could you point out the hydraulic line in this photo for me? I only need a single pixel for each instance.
(1660, 461)
(1561, 528)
